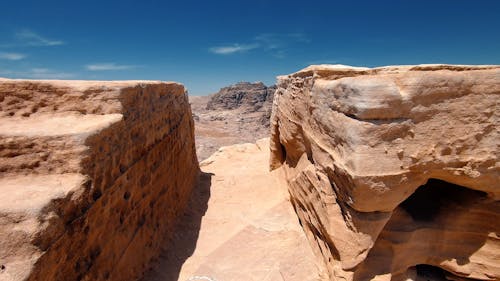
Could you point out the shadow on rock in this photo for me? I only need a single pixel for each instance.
(183, 242)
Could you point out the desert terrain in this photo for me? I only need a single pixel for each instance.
(238, 113)
(336, 173)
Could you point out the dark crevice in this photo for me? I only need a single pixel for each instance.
(426, 203)
(376, 121)
(283, 152)
(431, 273)
(426, 272)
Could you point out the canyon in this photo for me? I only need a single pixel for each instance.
(347, 173)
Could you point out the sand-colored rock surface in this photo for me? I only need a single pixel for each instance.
(92, 176)
(239, 225)
(394, 171)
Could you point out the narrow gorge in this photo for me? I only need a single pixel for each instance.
(387, 173)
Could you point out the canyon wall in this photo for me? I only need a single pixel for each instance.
(393, 171)
(92, 176)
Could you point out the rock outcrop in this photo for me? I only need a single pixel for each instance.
(238, 113)
(249, 96)
(394, 171)
(92, 176)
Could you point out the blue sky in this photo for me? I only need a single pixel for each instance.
(209, 44)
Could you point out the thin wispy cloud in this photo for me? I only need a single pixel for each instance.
(31, 38)
(325, 61)
(234, 48)
(273, 43)
(108, 66)
(45, 73)
(38, 73)
(11, 56)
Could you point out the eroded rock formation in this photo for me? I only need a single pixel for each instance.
(393, 170)
(250, 96)
(92, 176)
(238, 113)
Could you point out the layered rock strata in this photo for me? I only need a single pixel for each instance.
(394, 171)
(250, 96)
(92, 176)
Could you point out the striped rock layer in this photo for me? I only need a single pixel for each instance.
(393, 171)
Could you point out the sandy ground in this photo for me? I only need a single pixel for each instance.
(239, 225)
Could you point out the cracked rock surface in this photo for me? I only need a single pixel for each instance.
(393, 170)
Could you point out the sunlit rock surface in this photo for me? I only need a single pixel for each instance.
(92, 176)
(239, 225)
(393, 171)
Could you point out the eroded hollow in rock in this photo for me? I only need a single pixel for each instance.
(428, 200)
(429, 272)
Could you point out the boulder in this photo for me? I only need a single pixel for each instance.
(393, 171)
(93, 176)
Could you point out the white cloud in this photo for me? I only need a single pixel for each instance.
(40, 70)
(231, 49)
(11, 56)
(325, 61)
(108, 66)
(51, 75)
(31, 38)
(38, 73)
(274, 43)
(299, 37)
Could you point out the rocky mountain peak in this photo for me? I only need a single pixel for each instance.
(248, 96)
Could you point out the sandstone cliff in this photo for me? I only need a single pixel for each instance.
(92, 176)
(394, 170)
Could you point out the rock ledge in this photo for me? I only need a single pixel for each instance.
(395, 169)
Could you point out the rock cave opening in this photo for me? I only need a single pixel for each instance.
(429, 199)
(430, 272)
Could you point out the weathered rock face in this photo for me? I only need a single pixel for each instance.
(238, 113)
(251, 96)
(394, 170)
(92, 176)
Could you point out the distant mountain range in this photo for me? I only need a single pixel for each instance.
(238, 113)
